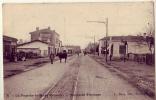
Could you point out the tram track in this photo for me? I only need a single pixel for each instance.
(66, 86)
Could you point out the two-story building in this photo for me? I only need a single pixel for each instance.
(49, 36)
(43, 42)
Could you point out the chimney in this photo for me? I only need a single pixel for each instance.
(37, 28)
(49, 28)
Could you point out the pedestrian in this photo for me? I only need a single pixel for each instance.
(51, 57)
(77, 53)
(60, 56)
(65, 55)
(85, 52)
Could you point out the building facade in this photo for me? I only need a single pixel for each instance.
(136, 44)
(49, 36)
(38, 47)
(9, 47)
(72, 49)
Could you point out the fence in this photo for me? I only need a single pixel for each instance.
(142, 58)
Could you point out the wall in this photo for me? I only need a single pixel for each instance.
(34, 50)
(43, 47)
(133, 47)
(34, 36)
(101, 44)
(45, 36)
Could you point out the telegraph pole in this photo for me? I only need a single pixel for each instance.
(106, 36)
(94, 46)
(64, 29)
(106, 25)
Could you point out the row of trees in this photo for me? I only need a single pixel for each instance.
(92, 47)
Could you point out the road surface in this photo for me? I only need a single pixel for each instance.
(81, 78)
(32, 84)
(95, 82)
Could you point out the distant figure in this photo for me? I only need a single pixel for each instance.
(78, 53)
(85, 53)
(51, 57)
(62, 55)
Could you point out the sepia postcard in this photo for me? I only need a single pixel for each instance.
(79, 51)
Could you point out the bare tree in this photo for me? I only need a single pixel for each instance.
(149, 37)
(20, 41)
(150, 30)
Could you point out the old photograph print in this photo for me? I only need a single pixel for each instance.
(79, 51)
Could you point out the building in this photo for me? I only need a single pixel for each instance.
(49, 36)
(136, 44)
(9, 47)
(36, 46)
(71, 49)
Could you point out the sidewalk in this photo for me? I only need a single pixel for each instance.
(13, 68)
(139, 75)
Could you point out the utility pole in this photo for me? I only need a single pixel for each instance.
(94, 46)
(64, 29)
(106, 36)
(106, 23)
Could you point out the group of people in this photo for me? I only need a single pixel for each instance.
(61, 55)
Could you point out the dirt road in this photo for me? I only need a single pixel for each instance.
(81, 78)
(95, 82)
(34, 83)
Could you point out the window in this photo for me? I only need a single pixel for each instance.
(45, 52)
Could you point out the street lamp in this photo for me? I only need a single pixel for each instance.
(106, 23)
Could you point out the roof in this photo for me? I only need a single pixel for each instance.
(28, 48)
(32, 42)
(44, 30)
(8, 38)
(127, 38)
(72, 47)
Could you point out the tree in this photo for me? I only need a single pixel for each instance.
(150, 30)
(149, 37)
(150, 41)
(20, 41)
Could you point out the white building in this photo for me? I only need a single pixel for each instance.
(136, 44)
(36, 46)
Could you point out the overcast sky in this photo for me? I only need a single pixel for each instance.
(70, 20)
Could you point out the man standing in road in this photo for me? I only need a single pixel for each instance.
(51, 57)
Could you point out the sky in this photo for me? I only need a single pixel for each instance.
(70, 20)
